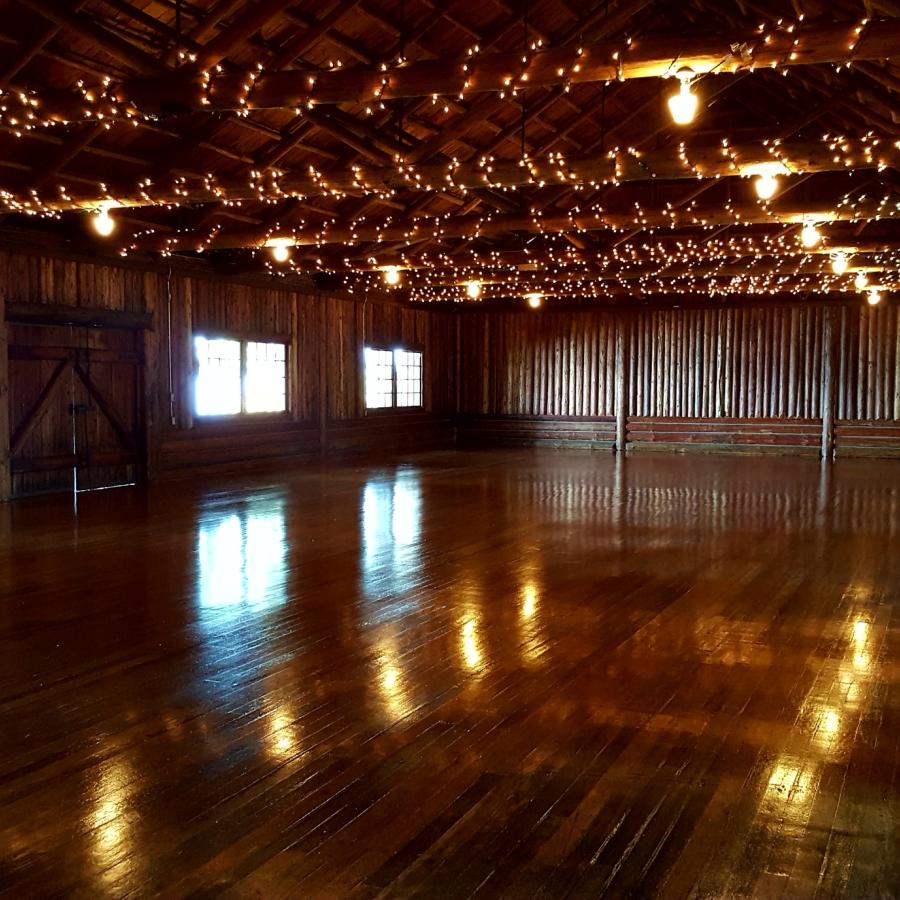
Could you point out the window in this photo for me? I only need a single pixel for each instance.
(235, 376)
(379, 378)
(393, 378)
(408, 365)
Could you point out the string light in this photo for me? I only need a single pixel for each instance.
(281, 249)
(766, 186)
(683, 104)
(613, 168)
(103, 222)
(839, 263)
(810, 235)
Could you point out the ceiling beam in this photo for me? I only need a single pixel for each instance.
(819, 283)
(710, 162)
(441, 228)
(65, 16)
(760, 246)
(653, 56)
(679, 272)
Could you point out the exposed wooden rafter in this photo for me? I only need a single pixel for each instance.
(613, 167)
(694, 216)
(656, 56)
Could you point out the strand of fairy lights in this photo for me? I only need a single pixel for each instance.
(106, 102)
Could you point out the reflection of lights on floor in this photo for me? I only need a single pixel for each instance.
(532, 643)
(529, 600)
(111, 819)
(831, 722)
(109, 827)
(390, 678)
(790, 784)
(390, 685)
(862, 658)
(471, 648)
(281, 738)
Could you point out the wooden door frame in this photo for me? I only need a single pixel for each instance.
(76, 361)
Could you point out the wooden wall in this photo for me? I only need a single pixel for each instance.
(752, 378)
(325, 332)
(744, 377)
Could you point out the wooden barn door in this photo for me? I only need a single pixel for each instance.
(75, 405)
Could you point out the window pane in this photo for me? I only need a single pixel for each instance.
(409, 377)
(265, 383)
(217, 388)
(379, 378)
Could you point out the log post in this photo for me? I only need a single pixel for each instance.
(828, 385)
(184, 340)
(621, 384)
(5, 472)
(322, 301)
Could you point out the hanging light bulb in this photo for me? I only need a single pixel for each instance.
(391, 275)
(861, 280)
(874, 297)
(473, 289)
(810, 235)
(534, 300)
(766, 185)
(683, 105)
(839, 263)
(104, 224)
(281, 248)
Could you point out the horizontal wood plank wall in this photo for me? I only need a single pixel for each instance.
(746, 379)
(326, 417)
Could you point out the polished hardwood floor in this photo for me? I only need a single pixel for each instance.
(508, 673)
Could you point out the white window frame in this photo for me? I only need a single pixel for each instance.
(393, 350)
(243, 340)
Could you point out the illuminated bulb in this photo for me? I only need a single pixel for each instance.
(683, 105)
(861, 280)
(103, 222)
(810, 235)
(281, 253)
(839, 263)
(766, 186)
(534, 300)
(874, 297)
(392, 276)
(281, 248)
(473, 289)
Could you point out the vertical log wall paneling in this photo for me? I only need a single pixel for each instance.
(744, 378)
(325, 334)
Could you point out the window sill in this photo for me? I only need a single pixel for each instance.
(240, 420)
(395, 411)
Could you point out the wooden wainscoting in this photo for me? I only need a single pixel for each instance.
(725, 435)
(874, 439)
(535, 431)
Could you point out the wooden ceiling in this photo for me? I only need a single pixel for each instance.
(526, 146)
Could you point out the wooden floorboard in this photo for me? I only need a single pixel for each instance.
(519, 673)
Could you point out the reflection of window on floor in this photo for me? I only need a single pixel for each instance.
(237, 376)
(392, 525)
(241, 557)
(391, 515)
